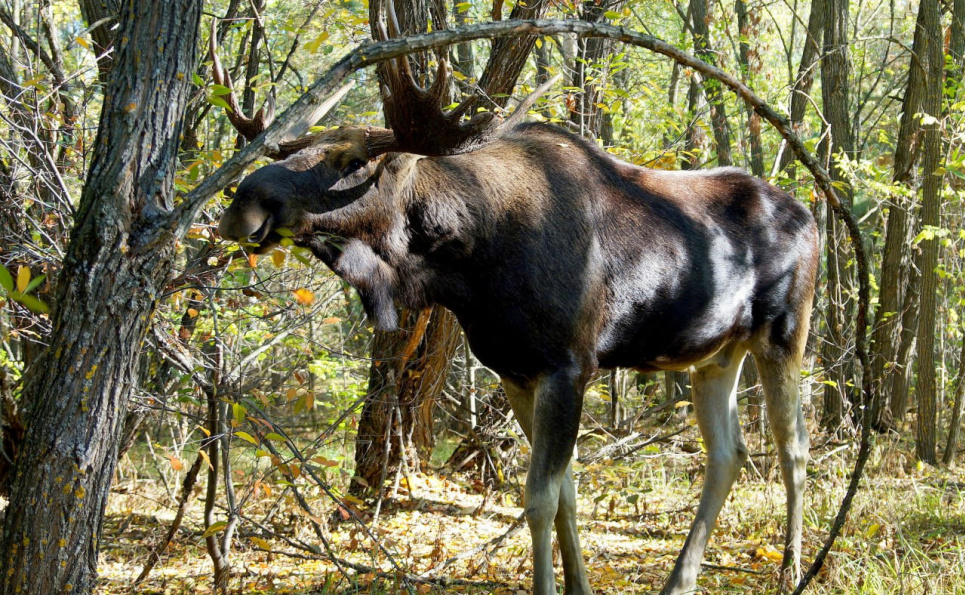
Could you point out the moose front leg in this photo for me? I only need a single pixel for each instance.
(545, 480)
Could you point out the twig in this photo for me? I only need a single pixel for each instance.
(493, 543)
(186, 487)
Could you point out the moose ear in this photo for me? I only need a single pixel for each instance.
(352, 167)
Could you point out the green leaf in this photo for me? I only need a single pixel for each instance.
(611, 14)
(220, 90)
(215, 528)
(246, 437)
(32, 303)
(215, 100)
(34, 283)
(6, 280)
(197, 79)
(274, 436)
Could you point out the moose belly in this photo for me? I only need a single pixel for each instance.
(672, 330)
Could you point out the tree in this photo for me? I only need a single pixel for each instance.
(701, 18)
(894, 297)
(118, 258)
(927, 259)
(835, 92)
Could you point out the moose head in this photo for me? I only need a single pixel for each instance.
(558, 260)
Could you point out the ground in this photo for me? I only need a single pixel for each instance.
(904, 535)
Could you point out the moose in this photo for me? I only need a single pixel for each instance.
(558, 260)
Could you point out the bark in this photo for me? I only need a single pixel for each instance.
(954, 426)
(894, 262)
(835, 91)
(744, 54)
(927, 257)
(712, 87)
(119, 255)
(801, 90)
(409, 370)
(508, 56)
(103, 15)
(589, 75)
(904, 357)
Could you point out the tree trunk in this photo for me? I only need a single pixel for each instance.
(591, 119)
(835, 75)
(712, 88)
(744, 54)
(103, 14)
(927, 260)
(509, 55)
(119, 256)
(886, 330)
(409, 371)
(954, 425)
(801, 90)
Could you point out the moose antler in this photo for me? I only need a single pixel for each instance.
(418, 122)
(247, 127)
(252, 127)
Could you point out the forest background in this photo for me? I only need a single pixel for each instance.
(216, 420)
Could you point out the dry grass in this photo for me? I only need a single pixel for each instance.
(904, 535)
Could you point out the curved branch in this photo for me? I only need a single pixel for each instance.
(290, 123)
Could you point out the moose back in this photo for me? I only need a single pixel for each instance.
(559, 260)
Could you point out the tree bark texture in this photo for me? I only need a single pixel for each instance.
(712, 87)
(508, 56)
(118, 257)
(745, 24)
(894, 264)
(102, 15)
(835, 92)
(801, 90)
(409, 370)
(927, 259)
(589, 73)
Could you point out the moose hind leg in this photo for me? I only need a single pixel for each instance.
(780, 377)
(544, 473)
(715, 406)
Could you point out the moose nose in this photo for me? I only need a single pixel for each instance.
(249, 225)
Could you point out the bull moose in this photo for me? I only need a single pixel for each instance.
(559, 260)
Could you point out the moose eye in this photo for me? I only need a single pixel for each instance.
(352, 167)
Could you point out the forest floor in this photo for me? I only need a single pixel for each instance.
(905, 533)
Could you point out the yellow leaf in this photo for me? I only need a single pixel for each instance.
(332, 320)
(204, 455)
(176, 463)
(219, 526)
(246, 437)
(262, 543)
(83, 42)
(680, 404)
(278, 257)
(206, 431)
(192, 313)
(770, 553)
(304, 296)
(872, 531)
(252, 260)
(23, 279)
